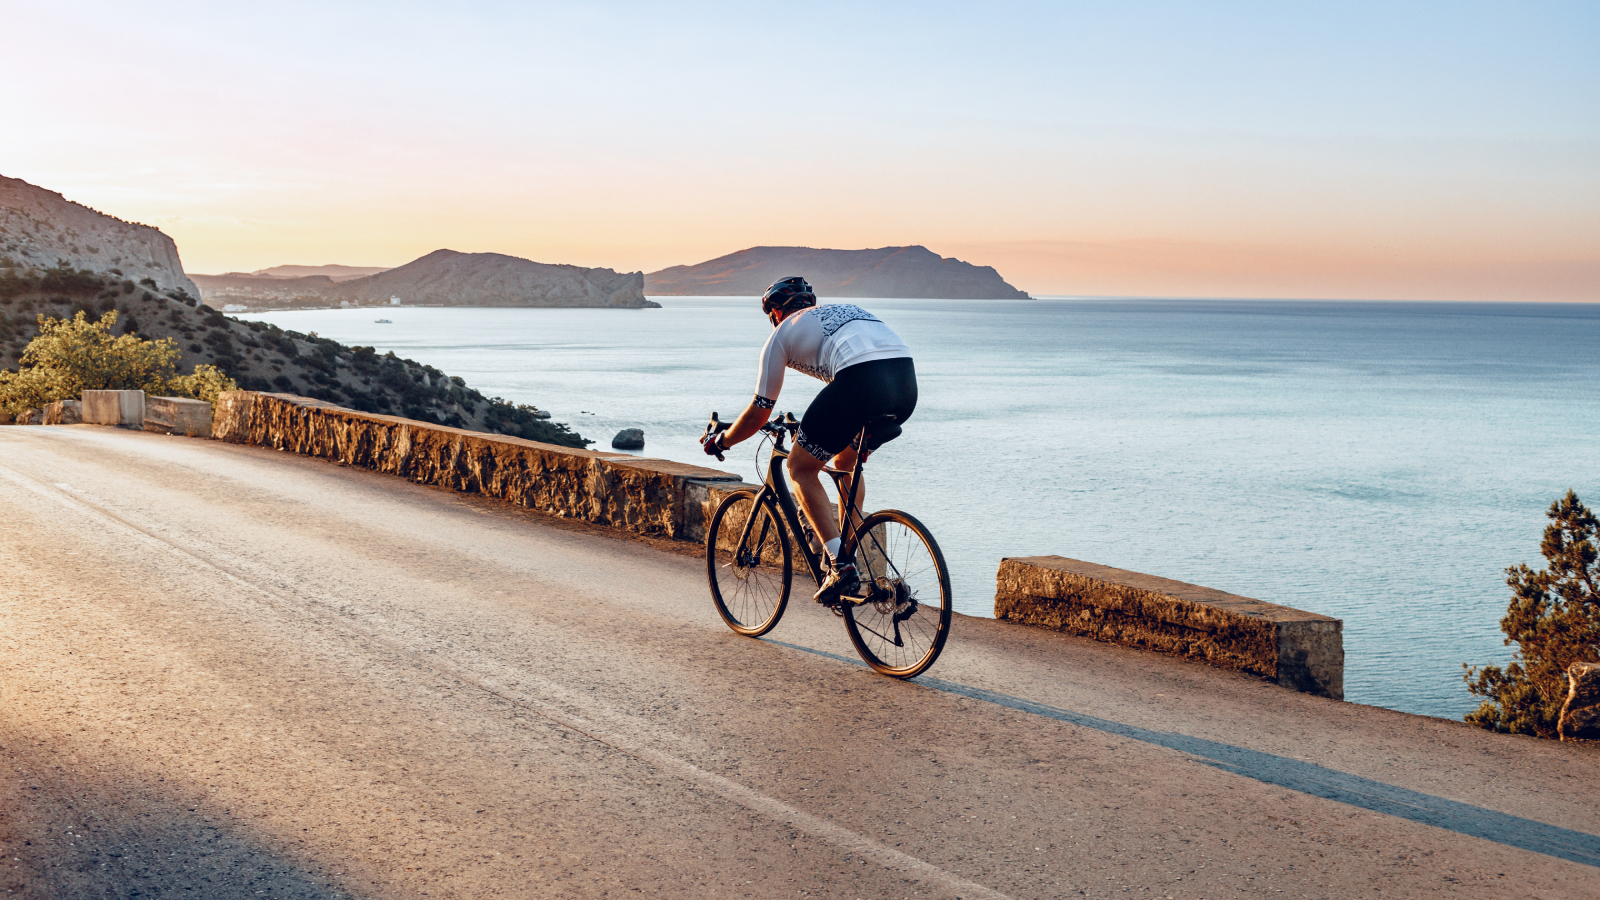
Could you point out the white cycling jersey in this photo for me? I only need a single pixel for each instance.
(821, 342)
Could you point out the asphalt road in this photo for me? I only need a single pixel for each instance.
(231, 672)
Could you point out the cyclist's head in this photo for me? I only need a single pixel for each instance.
(787, 295)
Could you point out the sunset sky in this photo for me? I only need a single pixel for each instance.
(1434, 151)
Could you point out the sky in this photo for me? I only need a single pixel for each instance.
(1388, 150)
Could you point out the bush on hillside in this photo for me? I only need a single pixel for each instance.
(1554, 619)
(205, 383)
(74, 355)
(62, 279)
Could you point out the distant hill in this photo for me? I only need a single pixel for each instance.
(449, 278)
(442, 278)
(236, 290)
(337, 273)
(40, 228)
(886, 272)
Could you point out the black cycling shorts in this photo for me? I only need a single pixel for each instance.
(856, 396)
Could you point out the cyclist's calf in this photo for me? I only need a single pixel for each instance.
(805, 473)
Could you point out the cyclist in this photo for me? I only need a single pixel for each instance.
(869, 373)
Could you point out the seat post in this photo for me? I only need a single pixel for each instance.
(846, 528)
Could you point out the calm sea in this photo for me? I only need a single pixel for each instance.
(1378, 462)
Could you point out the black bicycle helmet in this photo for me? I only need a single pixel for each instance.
(790, 294)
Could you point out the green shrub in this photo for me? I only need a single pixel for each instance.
(1554, 619)
(71, 356)
(205, 384)
(28, 389)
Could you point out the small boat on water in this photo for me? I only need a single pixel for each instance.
(384, 321)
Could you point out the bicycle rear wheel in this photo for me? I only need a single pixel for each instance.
(900, 623)
(750, 570)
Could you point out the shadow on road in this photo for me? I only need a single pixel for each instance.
(95, 829)
(1308, 778)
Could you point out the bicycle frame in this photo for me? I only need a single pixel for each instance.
(775, 490)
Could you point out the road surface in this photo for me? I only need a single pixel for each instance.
(233, 672)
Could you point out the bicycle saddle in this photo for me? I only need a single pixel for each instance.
(881, 431)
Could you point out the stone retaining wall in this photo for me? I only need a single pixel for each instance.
(1297, 649)
(645, 496)
(64, 412)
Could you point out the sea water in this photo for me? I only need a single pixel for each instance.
(1377, 462)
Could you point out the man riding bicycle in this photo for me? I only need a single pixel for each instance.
(869, 373)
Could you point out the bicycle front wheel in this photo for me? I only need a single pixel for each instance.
(902, 619)
(749, 569)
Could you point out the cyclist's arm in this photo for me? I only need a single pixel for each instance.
(769, 381)
(749, 422)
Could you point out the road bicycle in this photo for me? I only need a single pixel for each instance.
(900, 617)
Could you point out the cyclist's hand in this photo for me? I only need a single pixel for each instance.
(712, 444)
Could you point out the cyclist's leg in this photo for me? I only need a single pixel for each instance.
(831, 423)
(845, 460)
(805, 473)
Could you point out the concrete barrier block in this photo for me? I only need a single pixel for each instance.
(177, 415)
(114, 408)
(1580, 715)
(64, 412)
(1296, 649)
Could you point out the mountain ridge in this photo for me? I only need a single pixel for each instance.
(910, 271)
(335, 272)
(452, 278)
(441, 278)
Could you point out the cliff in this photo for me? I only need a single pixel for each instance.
(886, 272)
(40, 228)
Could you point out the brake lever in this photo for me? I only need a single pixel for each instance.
(715, 426)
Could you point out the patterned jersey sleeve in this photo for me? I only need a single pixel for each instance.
(769, 372)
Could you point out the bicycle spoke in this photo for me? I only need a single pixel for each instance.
(901, 626)
(749, 567)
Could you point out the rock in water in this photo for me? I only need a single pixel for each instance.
(629, 439)
(1580, 716)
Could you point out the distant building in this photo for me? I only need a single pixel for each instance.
(394, 301)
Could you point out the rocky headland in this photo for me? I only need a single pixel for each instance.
(442, 278)
(885, 272)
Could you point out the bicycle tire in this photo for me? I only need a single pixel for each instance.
(750, 585)
(903, 630)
